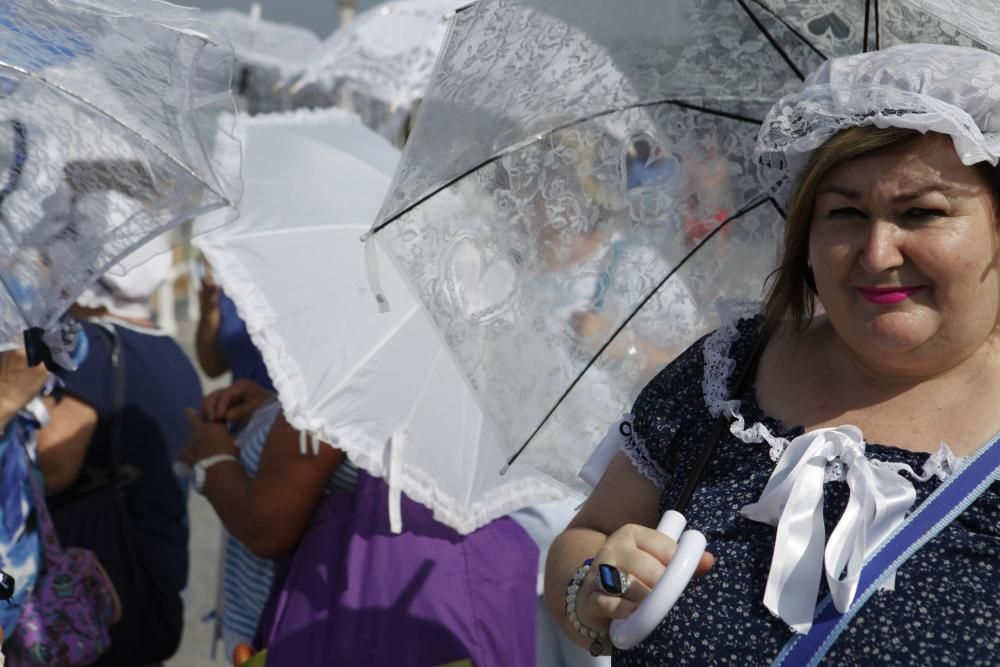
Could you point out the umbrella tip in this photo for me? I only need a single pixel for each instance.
(503, 471)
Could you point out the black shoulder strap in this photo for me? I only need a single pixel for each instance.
(117, 393)
(698, 471)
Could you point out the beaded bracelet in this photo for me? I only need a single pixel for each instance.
(596, 646)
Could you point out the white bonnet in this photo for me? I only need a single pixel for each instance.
(931, 88)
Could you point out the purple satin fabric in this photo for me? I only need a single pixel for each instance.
(355, 594)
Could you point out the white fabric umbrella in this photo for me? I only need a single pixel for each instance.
(267, 54)
(379, 64)
(380, 386)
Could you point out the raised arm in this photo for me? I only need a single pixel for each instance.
(210, 356)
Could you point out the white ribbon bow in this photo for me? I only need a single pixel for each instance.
(793, 501)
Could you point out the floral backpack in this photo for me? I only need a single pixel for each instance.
(65, 619)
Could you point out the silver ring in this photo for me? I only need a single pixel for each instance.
(612, 581)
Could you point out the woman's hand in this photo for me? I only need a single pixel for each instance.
(236, 402)
(615, 527)
(642, 553)
(208, 297)
(19, 383)
(207, 439)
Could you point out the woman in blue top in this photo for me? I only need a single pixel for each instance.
(880, 326)
(222, 341)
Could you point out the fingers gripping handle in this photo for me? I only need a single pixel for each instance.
(672, 524)
(627, 633)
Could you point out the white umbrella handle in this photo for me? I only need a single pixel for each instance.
(627, 633)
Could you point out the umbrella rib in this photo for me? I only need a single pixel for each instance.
(714, 112)
(878, 29)
(370, 354)
(90, 105)
(536, 138)
(769, 37)
(868, 13)
(791, 29)
(746, 209)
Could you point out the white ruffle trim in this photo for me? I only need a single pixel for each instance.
(363, 450)
(719, 367)
(636, 451)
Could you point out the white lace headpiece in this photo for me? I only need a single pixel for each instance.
(931, 88)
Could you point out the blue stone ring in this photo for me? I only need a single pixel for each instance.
(612, 581)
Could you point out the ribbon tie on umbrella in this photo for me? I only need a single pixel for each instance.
(793, 501)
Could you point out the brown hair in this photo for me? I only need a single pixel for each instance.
(790, 303)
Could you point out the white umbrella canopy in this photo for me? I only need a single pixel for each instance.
(267, 55)
(593, 162)
(379, 64)
(100, 97)
(579, 168)
(380, 386)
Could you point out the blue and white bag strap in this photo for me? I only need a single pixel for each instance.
(943, 506)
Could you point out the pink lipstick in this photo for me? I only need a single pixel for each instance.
(887, 295)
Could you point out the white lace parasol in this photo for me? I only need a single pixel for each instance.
(99, 97)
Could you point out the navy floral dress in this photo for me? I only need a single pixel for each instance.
(945, 609)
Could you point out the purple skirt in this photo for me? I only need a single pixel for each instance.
(355, 594)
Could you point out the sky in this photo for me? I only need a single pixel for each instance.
(318, 15)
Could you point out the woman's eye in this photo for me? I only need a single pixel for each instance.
(923, 213)
(846, 212)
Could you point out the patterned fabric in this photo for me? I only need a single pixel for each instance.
(580, 163)
(66, 619)
(107, 99)
(927, 87)
(387, 53)
(943, 611)
(582, 139)
(20, 546)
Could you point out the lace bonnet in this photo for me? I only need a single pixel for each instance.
(931, 88)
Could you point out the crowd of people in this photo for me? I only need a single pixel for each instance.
(810, 428)
(311, 569)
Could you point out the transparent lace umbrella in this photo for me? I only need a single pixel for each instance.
(380, 63)
(267, 55)
(103, 108)
(380, 386)
(579, 190)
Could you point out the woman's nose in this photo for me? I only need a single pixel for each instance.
(880, 247)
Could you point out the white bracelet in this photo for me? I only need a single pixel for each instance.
(200, 469)
(596, 646)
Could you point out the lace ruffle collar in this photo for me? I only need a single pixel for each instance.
(715, 387)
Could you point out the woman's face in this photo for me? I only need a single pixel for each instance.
(903, 247)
